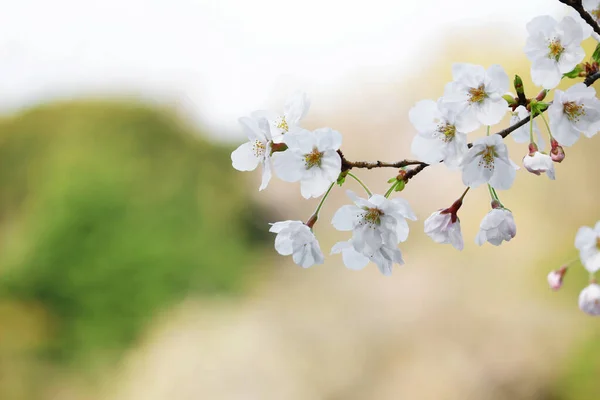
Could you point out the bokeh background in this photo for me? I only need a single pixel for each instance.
(135, 263)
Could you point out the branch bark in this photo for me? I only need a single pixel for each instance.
(577, 5)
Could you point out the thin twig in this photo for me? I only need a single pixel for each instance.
(578, 6)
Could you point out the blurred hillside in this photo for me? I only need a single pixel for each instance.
(109, 213)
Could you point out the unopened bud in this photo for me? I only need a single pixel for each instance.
(555, 278)
(510, 100)
(519, 85)
(557, 152)
(589, 299)
(532, 148)
(276, 147)
(541, 95)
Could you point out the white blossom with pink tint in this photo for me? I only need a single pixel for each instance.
(589, 300)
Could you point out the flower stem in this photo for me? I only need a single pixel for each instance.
(390, 190)
(488, 130)
(547, 126)
(361, 184)
(464, 193)
(493, 194)
(531, 140)
(316, 213)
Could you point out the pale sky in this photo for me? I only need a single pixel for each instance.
(219, 60)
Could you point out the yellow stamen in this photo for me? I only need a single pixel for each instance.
(258, 148)
(448, 130)
(487, 157)
(573, 110)
(477, 95)
(373, 215)
(596, 14)
(283, 125)
(313, 158)
(555, 49)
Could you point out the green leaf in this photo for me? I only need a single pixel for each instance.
(342, 178)
(596, 55)
(400, 186)
(575, 72)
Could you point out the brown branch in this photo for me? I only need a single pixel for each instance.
(348, 165)
(590, 79)
(577, 5)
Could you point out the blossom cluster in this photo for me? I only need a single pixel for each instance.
(476, 97)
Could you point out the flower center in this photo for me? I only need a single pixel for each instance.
(373, 216)
(313, 158)
(448, 131)
(573, 110)
(487, 157)
(283, 125)
(596, 13)
(478, 94)
(555, 49)
(259, 148)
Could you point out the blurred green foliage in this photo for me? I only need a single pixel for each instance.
(110, 212)
(581, 379)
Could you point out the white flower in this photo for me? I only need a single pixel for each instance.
(256, 151)
(437, 139)
(487, 162)
(589, 299)
(378, 225)
(573, 112)
(444, 228)
(554, 48)
(294, 237)
(475, 95)
(311, 158)
(521, 135)
(587, 241)
(498, 225)
(537, 163)
(385, 257)
(295, 110)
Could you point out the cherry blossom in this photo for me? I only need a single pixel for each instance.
(385, 257)
(487, 162)
(311, 158)
(475, 95)
(554, 48)
(497, 226)
(297, 239)
(574, 111)
(437, 139)
(587, 241)
(537, 163)
(378, 225)
(589, 299)
(256, 151)
(295, 109)
(444, 227)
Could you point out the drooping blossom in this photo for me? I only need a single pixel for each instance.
(587, 241)
(497, 226)
(297, 239)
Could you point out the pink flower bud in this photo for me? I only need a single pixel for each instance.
(557, 153)
(555, 278)
(532, 148)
